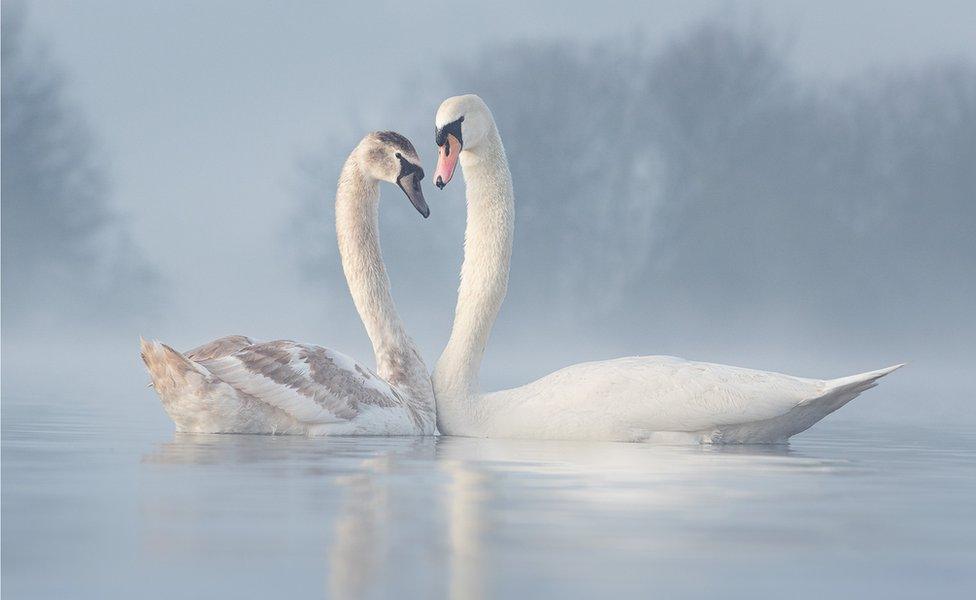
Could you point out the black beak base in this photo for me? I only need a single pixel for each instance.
(453, 128)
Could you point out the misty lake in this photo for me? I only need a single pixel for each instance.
(786, 186)
(96, 505)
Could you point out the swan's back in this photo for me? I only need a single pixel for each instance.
(219, 348)
(639, 398)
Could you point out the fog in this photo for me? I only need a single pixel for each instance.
(68, 257)
(766, 184)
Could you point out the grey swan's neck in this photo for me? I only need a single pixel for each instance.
(398, 360)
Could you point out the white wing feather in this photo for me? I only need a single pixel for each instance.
(628, 397)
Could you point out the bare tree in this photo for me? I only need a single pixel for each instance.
(662, 191)
(66, 252)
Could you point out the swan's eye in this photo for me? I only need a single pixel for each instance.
(398, 156)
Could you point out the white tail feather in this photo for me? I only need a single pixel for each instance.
(836, 393)
(860, 382)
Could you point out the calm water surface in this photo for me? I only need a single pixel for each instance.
(98, 505)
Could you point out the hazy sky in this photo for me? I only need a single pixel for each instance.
(203, 107)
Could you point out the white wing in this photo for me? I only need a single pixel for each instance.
(696, 395)
(311, 383)
(623, 398)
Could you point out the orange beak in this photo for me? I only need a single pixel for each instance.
(447, 159)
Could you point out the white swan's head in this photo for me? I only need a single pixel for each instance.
(389, 156)
(461, 123)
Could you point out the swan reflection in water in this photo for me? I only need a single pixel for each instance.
(443, 516)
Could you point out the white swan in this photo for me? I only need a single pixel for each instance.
(234, 385)
(628, 399)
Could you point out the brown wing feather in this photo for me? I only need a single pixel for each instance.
(310, 382)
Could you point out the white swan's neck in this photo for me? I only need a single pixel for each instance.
(484, 278)
(357, 229)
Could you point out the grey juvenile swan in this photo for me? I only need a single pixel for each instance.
(237, 385)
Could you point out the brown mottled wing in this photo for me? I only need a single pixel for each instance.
(311, 383)
(218, 348)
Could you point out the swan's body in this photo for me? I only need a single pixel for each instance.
(644, 398)
(234, 385)
(628, 399)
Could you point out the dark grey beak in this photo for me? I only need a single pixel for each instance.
(410, 184)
